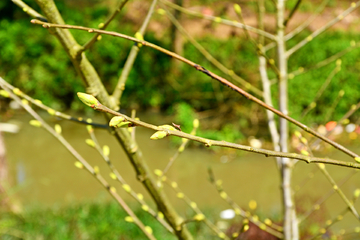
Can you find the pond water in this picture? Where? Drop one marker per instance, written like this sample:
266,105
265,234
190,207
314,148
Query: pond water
42,171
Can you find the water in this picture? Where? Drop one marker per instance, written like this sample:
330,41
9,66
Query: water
44,171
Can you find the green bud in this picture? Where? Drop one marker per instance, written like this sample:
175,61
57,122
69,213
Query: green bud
101,25
35,123
106,150
90,142
140,196
17,91
57,128
126,187
124,125
51,111
88,99
357,159
158,172
140,37
145,207
158,135
148,229
129,219
79,165
4,93
237,8
116,120
199,217
113,176
196,123
96,169
168,127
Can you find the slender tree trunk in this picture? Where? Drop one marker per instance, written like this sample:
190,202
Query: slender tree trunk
290,220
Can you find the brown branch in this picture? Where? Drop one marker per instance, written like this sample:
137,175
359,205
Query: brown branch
210,74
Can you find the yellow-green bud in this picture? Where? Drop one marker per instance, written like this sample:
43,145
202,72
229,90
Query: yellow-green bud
237,8
221,235
51,111
96,169
180,195
79,165
160,215
112,189
148,229
357,193
89,128
123,125
57,128
17,91
101,25
145,207
113,176
4,93
88,99
106,150
161,11
90,142
140,196
199,217
126,187
116,120
158,135
158,172
168,127
196,123
129,219
35,123
357,159
140,37
223,195
25,101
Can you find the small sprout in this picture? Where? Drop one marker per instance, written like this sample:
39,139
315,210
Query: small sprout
123,125
338,62
158,135
174,185
353,4
341,93
89,128
106,150
199,217
116,120
300,69
357,159
317,207
99,38
221,235
57,128
268,222
340,17
158,172
328,222
140,196
96,169
140,37
246,227
113,176
231,72
291,76
90,142
304,152
357,193
180,195
208,143
255,218
112,189
303,140
163,178
217,19
321,165
79,165
25,102
129,219
335,187
126,187
145,207
237,211
309,38
51,111
193,205
322,230
352,43
252,204
148,229
262,226
161,11
312,104
184,140
297,134
89,120
218,182
237,8
271,61
168,127
35,123
235,235
88,99
196,123
25,9
345,121
4,93
223,195
160,215
17,91
357,229
91,30
101,25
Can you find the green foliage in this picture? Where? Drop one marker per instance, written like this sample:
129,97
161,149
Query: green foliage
87,221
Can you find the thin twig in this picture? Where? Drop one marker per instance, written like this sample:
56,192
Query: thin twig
210,74
293,10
